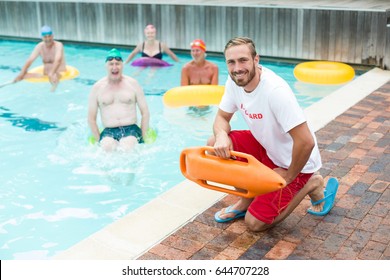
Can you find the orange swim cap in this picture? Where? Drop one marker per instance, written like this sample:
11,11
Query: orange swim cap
198,44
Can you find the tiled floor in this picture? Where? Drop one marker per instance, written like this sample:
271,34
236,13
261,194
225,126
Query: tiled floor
355,150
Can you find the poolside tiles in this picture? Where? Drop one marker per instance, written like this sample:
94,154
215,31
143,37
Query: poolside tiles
355,149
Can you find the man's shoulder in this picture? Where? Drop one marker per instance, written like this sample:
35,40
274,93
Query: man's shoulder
58,43
100,82
130,80
39,45
189,64
211,64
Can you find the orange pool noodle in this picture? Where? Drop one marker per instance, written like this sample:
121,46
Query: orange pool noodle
246,179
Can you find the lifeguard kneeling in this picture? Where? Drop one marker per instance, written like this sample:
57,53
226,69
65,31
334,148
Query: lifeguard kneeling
281,139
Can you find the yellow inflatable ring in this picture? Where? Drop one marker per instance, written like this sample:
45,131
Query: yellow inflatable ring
70,73
194,95
324,72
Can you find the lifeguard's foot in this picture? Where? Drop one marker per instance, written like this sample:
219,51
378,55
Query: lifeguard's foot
317,185
328,201
232,212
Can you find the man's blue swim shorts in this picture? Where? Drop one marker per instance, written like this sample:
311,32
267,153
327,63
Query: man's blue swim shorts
122,131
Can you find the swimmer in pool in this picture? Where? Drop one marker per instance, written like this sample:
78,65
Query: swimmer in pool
117,97
53,59
151,47
199,71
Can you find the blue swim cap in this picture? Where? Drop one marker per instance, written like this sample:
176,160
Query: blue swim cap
46,30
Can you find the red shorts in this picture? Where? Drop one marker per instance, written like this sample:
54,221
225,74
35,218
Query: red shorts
268,206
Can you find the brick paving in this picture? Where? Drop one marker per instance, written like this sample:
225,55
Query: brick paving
355,150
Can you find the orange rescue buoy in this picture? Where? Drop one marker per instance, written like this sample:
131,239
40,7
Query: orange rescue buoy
246,179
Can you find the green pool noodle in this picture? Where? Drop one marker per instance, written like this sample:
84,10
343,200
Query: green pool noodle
151,136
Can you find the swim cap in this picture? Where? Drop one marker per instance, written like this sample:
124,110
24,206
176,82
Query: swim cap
150,26
198,44
46,30
114,54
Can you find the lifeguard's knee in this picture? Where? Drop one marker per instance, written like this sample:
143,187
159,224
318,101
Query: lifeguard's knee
315,181
254,224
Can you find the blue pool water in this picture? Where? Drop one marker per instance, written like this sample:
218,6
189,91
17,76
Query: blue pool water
55,188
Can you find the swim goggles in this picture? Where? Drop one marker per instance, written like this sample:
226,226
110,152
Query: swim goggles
110,58
198,44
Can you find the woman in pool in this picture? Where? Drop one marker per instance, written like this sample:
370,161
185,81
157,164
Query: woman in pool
151,47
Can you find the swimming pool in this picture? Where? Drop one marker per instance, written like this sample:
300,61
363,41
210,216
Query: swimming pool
56,188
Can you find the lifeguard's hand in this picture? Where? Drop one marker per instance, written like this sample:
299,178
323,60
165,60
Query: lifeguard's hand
284,174
222,147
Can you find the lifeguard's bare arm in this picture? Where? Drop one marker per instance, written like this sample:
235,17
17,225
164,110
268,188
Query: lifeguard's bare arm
303,144
221,128
35,53
93,108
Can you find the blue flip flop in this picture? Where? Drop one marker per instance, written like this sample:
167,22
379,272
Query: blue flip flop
329,198
238,214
